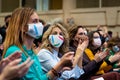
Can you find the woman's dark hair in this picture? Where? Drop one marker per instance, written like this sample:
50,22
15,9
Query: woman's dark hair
73,31
90,36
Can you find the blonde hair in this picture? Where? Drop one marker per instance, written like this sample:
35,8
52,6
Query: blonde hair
15,30
46,43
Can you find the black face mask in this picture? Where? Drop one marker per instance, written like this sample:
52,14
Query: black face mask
7,23
102,39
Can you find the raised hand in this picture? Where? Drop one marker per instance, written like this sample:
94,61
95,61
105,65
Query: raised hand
67,59
115,57
83,43
118,63
8,59
99,56
14,69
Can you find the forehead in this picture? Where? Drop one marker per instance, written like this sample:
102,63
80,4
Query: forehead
80,30
101,32
96,34
56,29
34,16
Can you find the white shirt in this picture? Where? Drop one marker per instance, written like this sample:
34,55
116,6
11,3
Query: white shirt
49,60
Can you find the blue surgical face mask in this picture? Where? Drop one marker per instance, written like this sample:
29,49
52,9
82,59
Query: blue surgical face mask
115,48
107,39
35,30
56,40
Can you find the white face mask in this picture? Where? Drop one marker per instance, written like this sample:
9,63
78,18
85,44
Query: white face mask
35,30
97,42
56,40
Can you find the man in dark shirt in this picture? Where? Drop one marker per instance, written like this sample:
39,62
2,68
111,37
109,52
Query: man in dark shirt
4,27
3,33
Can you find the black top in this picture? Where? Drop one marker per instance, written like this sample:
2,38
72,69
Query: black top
90,67
3,33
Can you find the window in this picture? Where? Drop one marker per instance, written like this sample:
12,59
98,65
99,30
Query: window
29,3
39,5
87,3
97,3
55,4
110,3
9,5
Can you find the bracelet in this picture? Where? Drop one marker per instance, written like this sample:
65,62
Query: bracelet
55,72
48,76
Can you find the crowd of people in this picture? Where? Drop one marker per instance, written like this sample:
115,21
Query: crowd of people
34,50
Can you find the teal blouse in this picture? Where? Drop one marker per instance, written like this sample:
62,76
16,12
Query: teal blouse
35,72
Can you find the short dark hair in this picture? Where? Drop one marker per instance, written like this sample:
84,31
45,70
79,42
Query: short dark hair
42,21
110,32
6,17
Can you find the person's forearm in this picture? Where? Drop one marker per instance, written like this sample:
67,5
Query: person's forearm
77,58
80,62
57,68
2,77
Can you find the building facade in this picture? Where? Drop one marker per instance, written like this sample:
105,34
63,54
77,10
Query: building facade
89,13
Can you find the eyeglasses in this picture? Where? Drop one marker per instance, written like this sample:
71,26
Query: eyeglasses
82,33
96,37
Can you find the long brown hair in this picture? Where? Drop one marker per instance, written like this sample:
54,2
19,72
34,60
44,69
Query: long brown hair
15,30
72,32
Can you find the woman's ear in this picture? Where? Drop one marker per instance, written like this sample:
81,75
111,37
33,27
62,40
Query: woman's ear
25,29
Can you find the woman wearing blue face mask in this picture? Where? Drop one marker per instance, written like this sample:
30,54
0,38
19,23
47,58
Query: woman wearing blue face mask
23,28
55,45
113,45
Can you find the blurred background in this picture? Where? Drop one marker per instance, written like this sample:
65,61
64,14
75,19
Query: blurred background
89,13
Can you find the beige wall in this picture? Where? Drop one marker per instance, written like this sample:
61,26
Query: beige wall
2,15
50,15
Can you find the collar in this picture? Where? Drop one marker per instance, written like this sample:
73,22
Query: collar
29,52
55,52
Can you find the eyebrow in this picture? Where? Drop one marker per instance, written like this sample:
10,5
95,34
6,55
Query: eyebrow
96,36
35,20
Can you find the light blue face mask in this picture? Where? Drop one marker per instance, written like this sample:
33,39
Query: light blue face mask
115,48
35,30
56,40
